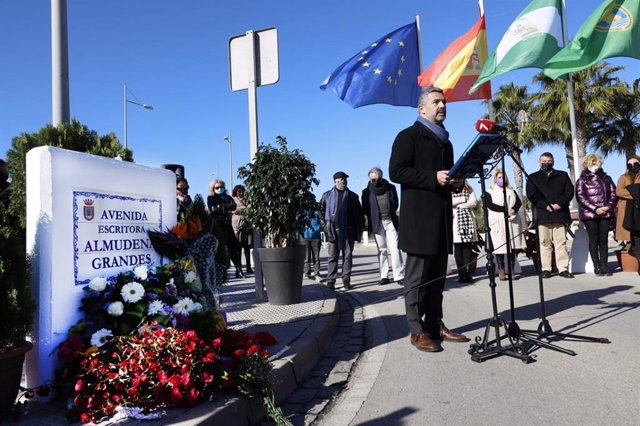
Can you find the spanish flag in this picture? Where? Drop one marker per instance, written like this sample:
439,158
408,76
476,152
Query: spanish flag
458,66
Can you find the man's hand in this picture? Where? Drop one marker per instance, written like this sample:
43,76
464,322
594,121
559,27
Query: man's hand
443,177
556,207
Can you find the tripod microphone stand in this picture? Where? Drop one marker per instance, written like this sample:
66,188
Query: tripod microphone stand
486,348
523,342
544,330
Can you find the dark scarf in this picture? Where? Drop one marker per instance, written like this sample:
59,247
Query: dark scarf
330,214
380,187
439,130
374,190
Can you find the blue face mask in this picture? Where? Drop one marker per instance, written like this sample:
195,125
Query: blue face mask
219,191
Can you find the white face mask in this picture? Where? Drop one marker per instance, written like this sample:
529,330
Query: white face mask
219,191
593,168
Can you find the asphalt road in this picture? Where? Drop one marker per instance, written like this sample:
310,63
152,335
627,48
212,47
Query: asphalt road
395,384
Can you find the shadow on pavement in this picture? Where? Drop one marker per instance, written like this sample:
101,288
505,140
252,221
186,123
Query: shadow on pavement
394,418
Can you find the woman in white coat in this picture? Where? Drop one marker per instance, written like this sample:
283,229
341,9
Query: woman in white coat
495,200
465,232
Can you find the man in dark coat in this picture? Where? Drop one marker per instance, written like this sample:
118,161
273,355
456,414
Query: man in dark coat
551,191
342,221
420,159
380,204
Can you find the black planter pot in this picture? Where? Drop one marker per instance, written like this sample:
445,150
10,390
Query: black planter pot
10,376
282,271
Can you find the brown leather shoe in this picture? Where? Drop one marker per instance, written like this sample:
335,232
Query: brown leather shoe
424,343
450,336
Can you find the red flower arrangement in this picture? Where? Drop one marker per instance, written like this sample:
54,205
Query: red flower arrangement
164,367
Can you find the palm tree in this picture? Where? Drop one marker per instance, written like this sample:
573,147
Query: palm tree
620,132
597,91
510,104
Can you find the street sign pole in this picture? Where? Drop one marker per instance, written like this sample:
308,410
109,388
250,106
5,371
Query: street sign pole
253,62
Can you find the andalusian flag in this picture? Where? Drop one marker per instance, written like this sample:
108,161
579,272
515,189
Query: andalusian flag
458,66
611,30
533,38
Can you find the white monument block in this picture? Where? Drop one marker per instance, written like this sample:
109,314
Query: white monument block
87,216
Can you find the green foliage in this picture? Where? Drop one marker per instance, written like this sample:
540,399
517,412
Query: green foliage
16,304
279,193
597,93
73,136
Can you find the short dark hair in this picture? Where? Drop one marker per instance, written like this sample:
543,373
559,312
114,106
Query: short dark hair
547,154
234,192
426,92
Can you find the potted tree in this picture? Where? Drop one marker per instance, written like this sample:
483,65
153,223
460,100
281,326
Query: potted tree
279,200
16,307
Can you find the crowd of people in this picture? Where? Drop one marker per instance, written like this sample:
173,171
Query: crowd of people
416,250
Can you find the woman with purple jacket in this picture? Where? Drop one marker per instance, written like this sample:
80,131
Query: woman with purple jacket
596,195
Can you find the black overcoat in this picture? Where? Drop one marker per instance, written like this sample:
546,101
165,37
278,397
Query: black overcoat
426,216
556,188
392,195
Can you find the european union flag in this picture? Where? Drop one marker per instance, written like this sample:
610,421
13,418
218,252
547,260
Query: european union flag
385,72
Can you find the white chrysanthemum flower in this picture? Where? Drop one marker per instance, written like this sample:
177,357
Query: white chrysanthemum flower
196,307
141,272
132,292
183,306
115,309
101,337
155,307
190,277
98,284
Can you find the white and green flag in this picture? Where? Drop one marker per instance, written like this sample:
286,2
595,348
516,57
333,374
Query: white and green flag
612,30
533,38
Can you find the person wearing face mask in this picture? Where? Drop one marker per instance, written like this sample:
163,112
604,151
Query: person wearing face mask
182,195
342,220
465,232
550,192
496,202
596,195
380,203
220,206
625,201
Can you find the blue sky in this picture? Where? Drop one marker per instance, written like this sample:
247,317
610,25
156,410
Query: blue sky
174,56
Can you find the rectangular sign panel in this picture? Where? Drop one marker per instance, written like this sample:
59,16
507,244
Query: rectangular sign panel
110,233
265,58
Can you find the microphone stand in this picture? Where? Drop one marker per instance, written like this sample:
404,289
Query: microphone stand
485,348
544,330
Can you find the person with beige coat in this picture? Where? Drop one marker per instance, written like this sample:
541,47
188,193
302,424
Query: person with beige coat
632,175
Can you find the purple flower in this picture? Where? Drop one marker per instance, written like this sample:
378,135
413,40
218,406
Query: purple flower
171,289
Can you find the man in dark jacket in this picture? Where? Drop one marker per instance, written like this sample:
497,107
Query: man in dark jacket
342,221
420,159
550,192
380,203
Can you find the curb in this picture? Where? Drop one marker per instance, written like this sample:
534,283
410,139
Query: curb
287,374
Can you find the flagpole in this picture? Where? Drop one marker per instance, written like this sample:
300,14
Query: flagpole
490,111
419,43
579,248
572,108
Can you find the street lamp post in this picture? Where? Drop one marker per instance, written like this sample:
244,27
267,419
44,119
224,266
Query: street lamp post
126,101
228,139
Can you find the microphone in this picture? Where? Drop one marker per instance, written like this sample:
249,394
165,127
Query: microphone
485,125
